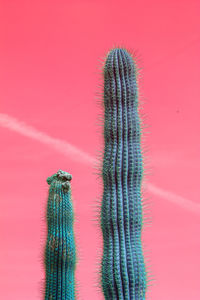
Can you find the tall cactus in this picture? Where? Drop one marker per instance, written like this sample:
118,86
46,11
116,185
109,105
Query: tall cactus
123,272
60,253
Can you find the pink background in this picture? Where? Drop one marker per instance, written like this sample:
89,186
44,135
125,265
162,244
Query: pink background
50,71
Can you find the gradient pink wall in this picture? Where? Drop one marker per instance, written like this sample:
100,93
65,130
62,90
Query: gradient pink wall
50,70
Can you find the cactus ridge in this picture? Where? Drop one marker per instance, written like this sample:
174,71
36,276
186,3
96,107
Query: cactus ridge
60,252
123,270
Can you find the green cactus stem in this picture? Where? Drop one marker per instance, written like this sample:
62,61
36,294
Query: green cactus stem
123,273
60,252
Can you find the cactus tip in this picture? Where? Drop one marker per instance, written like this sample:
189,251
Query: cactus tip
65,177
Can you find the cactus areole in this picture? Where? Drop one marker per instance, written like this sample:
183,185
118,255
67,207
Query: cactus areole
60,254
123,274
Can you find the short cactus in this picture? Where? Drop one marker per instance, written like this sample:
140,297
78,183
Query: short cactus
60,253
123,273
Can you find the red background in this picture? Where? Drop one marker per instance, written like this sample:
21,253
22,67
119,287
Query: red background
50,71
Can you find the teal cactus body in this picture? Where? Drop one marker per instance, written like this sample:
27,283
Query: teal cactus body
60,252
123,273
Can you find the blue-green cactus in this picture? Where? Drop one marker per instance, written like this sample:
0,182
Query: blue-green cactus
123,272
60,252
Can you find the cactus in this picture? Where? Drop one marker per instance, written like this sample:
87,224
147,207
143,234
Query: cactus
60,253
123,272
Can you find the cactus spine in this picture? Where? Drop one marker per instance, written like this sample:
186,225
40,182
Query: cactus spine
60,253
123,273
